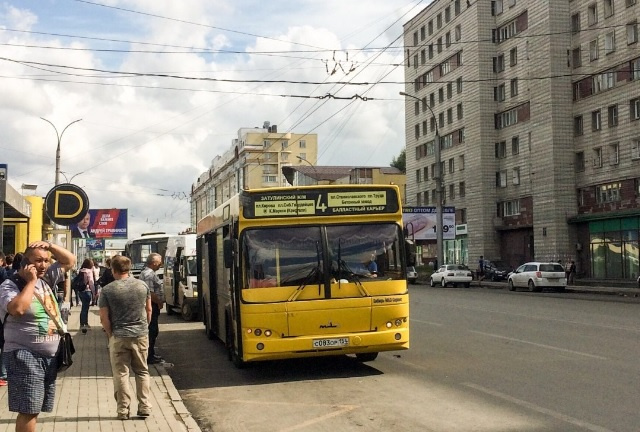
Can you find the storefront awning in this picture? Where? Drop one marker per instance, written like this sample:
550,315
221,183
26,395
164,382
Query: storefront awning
15,206
590,217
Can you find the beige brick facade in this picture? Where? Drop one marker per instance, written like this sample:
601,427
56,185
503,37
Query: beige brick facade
522,176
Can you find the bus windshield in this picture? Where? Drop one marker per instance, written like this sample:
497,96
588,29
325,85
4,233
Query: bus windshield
294,256
139,250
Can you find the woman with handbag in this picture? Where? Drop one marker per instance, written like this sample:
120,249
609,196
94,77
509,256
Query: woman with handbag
31,321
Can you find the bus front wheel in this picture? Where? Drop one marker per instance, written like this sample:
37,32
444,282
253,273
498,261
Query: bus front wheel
366,357
232,354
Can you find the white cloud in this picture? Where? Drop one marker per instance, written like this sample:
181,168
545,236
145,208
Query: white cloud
144,140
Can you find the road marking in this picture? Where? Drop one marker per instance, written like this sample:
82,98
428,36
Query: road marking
426,322
541,317
540,345
537,408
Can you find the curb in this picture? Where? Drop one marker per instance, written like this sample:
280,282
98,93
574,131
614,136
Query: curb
176,400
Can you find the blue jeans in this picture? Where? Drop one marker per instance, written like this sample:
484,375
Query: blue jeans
85,297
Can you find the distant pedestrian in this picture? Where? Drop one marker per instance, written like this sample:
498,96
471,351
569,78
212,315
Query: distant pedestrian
96,286
86,295
3,271
481,266
31,335
106,275
571,278
125,312
148,275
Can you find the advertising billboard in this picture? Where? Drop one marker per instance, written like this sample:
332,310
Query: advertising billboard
420,222
101,223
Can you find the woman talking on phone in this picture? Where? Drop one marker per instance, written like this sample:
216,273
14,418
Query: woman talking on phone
27,305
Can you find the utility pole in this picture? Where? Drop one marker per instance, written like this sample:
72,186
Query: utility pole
438,178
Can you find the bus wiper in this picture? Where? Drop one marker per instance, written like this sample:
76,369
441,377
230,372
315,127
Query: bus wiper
308,278
342,265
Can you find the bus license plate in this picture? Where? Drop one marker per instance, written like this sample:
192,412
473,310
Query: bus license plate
330,343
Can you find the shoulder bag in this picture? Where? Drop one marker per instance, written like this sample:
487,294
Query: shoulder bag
64,355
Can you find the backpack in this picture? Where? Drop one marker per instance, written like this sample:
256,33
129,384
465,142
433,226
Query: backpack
78,284
21,284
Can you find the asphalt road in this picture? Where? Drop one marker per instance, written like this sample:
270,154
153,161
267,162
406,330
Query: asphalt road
480,360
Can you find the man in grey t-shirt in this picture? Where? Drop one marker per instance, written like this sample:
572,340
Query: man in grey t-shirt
125,312
148,275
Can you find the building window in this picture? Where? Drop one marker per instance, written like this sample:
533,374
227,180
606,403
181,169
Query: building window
433,124
417,131
456,7
614,159
577,126
441,94
266,143
458,33
459,85
430,27
515,145
452,165
608,193
596,121
441,120
513,56
416,108
634,108
447,14
439,45
446,142
635,148
575,22
449,90
303,156
610,42
303,144
419,199
579,161
498,93
461,189
516,176
612,114
461,162
422,33
461,137
449,115
630,3
576,57
447,39
459,110
635,69
593,50
432,100
608,8
496,7
452,191
439,21
597,157
514,87
498,63
425,173
592,14
632,33
511,208
285,145
501,150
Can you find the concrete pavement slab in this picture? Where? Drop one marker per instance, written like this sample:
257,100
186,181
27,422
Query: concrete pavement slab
84,393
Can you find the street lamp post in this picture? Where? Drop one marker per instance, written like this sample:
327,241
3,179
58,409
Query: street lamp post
438,179
310,164
59,136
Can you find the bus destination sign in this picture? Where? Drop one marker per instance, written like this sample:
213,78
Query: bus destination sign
319,202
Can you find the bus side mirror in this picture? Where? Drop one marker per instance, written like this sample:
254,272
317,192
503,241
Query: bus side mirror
227,249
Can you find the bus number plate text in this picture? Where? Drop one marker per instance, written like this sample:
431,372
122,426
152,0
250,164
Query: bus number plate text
330,343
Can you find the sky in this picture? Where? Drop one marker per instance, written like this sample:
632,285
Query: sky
162,87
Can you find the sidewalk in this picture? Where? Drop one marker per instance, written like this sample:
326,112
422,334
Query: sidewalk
84,393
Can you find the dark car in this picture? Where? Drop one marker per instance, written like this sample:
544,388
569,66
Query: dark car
496,270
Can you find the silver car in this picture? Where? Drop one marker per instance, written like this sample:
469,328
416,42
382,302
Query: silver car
451,274
538,275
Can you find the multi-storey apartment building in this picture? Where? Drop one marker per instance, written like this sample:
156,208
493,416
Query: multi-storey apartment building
537,105
254,160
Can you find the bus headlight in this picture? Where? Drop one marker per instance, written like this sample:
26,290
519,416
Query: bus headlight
389,324
267,333
257,332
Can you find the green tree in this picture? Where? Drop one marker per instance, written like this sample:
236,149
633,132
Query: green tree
400,162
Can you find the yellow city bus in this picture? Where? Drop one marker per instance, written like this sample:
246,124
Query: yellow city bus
304,272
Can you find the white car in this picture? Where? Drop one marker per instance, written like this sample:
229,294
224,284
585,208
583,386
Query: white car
538,275
412,274
451,274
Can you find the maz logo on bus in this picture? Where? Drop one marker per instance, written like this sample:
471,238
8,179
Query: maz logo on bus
330,325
